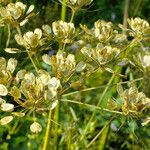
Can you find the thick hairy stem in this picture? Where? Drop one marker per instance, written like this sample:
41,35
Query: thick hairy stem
48,132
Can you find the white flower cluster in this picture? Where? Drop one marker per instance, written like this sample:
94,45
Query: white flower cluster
14,12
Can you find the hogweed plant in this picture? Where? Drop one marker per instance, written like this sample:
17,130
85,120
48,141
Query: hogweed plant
55,78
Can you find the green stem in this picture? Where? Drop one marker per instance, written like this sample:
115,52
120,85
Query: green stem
72,16
63,11
98,87
103,138
75,118
126,13
18,30
29,55
9,34
13,129
48,132
56,118
99,102
101,131
92,106
69,135
137,8
36,69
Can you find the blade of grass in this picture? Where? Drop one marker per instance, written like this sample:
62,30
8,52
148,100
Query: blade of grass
137,7
103,138
75,118
99,133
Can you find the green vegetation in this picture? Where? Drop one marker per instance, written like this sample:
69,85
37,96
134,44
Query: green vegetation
74,75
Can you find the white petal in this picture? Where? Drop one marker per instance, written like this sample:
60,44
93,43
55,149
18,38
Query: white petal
44,76
36,127
3,90
30,9
46,59
6,120
19,39
2,101
146,60
54,83
47,29
18,114
38,32
11,65
22,23
12,50
7,107
54,104
80,66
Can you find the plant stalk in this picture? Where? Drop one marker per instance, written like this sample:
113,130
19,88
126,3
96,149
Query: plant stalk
63,11
72,16
99,102
103,138
137,8
29,55
92,106
9,34
126,13
56,118
48,132
36,69
99,133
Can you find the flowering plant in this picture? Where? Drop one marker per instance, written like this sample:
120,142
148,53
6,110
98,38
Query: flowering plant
79,53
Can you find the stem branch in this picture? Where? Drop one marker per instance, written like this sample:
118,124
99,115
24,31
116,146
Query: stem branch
99,102
72,16
48,132
9,34
92,106
36,69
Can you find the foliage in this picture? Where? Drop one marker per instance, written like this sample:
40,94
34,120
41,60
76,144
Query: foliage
66,73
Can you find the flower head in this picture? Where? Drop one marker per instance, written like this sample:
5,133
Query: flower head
63,31
134,102
139,26
146,61
30,40
15,13
7,69
35,127
62,65
77,4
